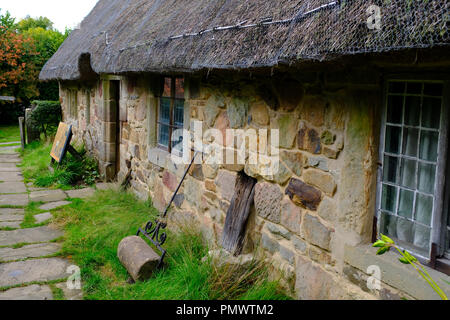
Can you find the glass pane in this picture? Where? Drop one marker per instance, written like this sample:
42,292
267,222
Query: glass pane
178,113
424,209
163,135
431,112
428,145
427,174
388,224
395,109
408,173
392,139
410,141
164,110
412,111
388,198
422,237
177,139
179,88
405,230
406,203
390,170
433,89
414,87
167,89
396,87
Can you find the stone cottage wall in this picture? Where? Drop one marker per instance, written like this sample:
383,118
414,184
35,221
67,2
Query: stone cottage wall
320,201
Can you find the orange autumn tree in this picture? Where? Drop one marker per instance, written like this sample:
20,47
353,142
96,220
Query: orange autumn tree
17,70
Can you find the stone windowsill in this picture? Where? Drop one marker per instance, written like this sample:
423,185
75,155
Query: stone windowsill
162,158
158,157
396,274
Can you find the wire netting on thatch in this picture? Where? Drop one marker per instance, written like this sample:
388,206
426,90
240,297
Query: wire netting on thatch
187,35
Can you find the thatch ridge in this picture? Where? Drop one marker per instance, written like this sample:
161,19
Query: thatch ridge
135,35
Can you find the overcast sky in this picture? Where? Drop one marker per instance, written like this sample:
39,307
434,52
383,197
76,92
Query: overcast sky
63,13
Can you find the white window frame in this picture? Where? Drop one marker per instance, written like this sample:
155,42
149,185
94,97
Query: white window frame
442,191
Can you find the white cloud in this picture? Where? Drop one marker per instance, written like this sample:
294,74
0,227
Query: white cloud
63,13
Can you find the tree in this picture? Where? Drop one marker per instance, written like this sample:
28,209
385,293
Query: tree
31,23
24,49
17,69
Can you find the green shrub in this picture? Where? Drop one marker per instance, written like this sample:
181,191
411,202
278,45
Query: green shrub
72,171
46,116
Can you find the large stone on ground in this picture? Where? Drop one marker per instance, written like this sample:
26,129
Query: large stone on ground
9,167
11,176
47,196
268,198
42,217
32,235
30,251
303,194
12,187
137,257
33,292
54,205
14,200
80,193
42,270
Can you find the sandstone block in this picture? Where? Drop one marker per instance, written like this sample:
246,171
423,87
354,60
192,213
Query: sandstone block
169,180
315,232
303,194
268,198
327,210
323,181
287,254
278,230
226,182
293,160
269,244
313,110
309,140
237,112
259,114
287,126
291,216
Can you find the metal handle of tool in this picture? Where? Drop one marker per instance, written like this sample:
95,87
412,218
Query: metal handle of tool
179,185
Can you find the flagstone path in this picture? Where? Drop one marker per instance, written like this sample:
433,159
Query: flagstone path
29,266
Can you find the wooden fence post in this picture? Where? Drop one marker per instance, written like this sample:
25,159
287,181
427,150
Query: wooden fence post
22,132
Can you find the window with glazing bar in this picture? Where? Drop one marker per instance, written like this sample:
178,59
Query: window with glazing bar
171,113
409,195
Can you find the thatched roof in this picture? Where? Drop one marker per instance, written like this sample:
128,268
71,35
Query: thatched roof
121,36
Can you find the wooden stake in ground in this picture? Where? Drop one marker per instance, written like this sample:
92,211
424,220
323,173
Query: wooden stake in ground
22,132
238,213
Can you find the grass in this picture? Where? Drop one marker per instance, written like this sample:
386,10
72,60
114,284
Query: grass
31,210
95,226
72,172
9,133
